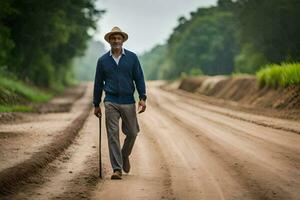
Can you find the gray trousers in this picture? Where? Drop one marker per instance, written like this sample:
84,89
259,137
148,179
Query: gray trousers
130,127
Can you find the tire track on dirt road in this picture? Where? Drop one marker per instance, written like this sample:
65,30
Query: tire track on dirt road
195,174
216,107
71,175
282,142
257,178
12,178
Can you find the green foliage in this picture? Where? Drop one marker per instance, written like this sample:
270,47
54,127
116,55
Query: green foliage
153,62
42,38
205,43
16,108
5,40
248,60
271,26
233,37
279,75
195,72
191,73
14,87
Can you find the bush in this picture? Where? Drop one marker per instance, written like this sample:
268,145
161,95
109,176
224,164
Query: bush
279,75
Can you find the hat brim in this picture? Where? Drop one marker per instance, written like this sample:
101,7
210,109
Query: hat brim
107,35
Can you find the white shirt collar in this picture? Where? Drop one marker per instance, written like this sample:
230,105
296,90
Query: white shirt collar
123,52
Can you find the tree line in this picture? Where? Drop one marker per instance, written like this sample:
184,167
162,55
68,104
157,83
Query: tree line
237,36
39,39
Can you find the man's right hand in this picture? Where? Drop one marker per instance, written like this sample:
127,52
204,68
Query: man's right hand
97,111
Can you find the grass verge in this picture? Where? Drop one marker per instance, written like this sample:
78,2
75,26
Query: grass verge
279,75
15,95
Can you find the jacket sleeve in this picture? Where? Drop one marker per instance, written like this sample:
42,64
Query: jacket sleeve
98,84
139,80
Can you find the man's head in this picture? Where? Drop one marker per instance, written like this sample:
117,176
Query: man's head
116,37
116,40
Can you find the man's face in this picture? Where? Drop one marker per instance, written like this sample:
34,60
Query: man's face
116,41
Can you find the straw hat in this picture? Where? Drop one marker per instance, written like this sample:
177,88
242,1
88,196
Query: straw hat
113,31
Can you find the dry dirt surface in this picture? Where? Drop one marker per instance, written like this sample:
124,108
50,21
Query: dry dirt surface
187,149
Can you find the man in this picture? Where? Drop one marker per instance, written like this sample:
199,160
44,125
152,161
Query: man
118,73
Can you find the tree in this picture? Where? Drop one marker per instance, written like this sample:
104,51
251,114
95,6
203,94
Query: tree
271,26
47,35
5,40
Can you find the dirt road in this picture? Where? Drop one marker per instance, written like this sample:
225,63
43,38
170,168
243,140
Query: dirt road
187,149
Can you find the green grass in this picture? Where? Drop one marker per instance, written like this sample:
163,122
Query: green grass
16,108
279,75
15,95
30,93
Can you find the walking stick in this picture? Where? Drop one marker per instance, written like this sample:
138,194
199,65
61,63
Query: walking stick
100,163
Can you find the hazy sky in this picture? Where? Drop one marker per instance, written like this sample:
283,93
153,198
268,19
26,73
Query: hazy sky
147,22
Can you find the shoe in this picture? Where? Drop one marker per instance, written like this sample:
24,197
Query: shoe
126,164
116,175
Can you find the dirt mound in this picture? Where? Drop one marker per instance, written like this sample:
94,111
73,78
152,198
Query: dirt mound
245,90
191,84
209,83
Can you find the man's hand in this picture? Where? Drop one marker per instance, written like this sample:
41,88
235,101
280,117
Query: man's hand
142,106
97,111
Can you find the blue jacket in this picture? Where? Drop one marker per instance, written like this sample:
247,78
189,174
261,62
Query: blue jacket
119,81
